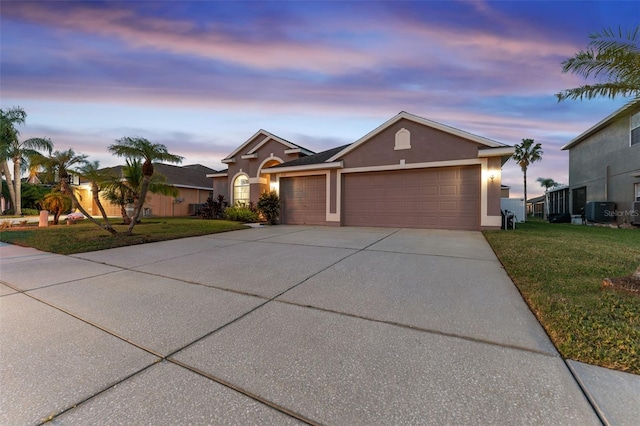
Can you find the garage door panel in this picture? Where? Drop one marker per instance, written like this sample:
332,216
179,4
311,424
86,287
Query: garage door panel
448,190
446,198
303,200
469,189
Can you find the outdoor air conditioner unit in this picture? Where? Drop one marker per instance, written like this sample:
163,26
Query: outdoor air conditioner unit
635,214
601,211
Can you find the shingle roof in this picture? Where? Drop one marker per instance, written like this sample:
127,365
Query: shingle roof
539,199
318,158
192,176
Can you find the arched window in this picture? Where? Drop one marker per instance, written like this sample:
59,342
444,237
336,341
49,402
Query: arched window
241,190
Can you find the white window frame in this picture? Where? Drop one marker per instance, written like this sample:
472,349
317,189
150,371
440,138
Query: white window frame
241,190
637,188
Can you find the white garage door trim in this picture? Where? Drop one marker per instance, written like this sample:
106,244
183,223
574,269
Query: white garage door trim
485,220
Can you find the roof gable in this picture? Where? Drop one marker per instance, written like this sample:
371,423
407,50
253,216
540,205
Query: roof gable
630,108
263,136
414,118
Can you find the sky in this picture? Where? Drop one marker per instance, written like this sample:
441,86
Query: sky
201,77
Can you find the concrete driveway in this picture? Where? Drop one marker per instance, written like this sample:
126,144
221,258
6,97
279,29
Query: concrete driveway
281,325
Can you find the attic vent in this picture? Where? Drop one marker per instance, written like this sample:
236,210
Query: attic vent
403,139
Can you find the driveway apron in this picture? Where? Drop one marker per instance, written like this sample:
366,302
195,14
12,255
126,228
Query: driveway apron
278,325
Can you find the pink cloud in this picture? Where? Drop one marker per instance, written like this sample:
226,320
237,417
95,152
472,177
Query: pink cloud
181,37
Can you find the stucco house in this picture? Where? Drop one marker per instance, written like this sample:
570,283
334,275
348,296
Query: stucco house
191,181
604,164
408,172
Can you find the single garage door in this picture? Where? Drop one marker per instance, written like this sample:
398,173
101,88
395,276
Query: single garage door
442,198
304,200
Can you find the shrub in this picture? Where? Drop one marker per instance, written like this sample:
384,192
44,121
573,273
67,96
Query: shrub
269,206
240,214
213,209
30,212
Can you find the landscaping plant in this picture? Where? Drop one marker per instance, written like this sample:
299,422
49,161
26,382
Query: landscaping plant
269,206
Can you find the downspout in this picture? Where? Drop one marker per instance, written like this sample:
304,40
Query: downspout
606,182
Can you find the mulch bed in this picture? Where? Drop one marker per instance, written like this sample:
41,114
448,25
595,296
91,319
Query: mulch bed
630,284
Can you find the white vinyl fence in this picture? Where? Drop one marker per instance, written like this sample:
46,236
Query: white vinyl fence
516,205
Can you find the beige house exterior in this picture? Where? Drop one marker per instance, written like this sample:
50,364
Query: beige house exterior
191,181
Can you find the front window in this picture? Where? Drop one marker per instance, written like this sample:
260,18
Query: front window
241,190
637,191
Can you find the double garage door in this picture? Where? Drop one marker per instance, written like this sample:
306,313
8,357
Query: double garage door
440,198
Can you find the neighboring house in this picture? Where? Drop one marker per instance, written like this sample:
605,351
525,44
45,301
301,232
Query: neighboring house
193,185
409,172
559,200
535,206
604,164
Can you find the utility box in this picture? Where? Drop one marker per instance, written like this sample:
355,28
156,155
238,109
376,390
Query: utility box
44,218
601,211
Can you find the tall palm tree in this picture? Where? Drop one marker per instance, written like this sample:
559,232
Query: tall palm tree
124,191
63,163
98,178
612,57
142,149
20,153
525,154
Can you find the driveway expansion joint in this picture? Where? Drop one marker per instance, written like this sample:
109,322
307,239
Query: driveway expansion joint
425,330
245,392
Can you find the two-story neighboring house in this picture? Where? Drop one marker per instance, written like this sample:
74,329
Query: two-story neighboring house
604,164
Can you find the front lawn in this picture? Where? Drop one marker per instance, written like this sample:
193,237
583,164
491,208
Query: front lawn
85,236
559,270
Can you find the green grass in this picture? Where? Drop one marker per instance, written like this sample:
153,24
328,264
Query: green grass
86,236
559,270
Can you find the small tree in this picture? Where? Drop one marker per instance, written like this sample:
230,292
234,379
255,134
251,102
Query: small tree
527,153
98,178
57,203
546,183
269,206
63,164
142,149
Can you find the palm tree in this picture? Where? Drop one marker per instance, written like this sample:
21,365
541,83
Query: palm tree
125,191
57,203
613,57
525,154
63,163
142,149
19,152
546,183
98,178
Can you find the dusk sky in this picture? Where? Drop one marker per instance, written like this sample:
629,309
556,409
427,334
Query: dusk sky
202,77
